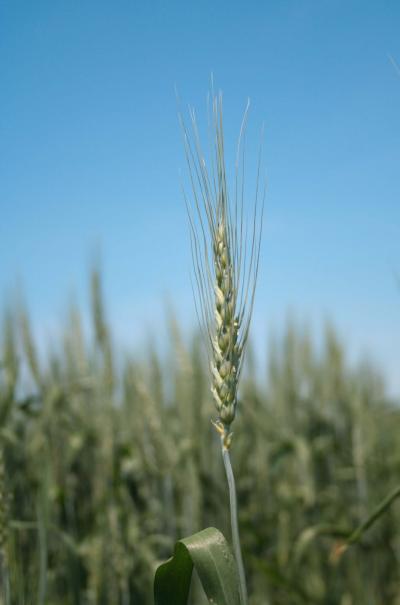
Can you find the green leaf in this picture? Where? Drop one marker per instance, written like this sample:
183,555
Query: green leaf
209,553
374,516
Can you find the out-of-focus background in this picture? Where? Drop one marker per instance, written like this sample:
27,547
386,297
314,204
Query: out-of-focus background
107,453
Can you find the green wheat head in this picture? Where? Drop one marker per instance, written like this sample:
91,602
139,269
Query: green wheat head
225,249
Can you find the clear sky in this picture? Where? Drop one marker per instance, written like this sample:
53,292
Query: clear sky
91,154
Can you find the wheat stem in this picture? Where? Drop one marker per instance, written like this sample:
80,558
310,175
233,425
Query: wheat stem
234,520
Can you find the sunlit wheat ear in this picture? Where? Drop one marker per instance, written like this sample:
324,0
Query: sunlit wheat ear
225,241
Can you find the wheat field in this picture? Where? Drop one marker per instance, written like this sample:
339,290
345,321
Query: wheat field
108,458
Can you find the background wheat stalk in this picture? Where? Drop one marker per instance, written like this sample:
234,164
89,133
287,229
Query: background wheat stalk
4,506
225,245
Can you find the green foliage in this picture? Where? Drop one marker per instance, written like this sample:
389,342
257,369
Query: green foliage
211,556
109,460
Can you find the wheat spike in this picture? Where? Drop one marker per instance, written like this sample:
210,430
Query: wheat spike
225,249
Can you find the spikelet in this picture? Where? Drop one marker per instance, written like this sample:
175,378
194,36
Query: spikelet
225,259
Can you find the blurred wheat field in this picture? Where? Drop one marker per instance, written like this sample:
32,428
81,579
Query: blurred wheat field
106,461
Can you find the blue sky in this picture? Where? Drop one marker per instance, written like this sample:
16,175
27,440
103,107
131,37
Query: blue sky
91,156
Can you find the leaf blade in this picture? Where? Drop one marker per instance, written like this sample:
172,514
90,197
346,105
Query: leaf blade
208,552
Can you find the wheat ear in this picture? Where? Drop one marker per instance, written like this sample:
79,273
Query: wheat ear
225,250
